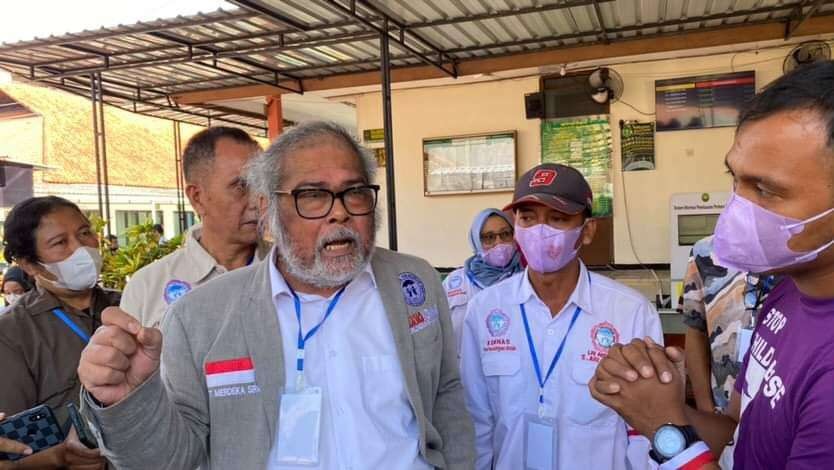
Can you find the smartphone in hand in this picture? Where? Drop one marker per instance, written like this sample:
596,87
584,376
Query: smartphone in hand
80,424
35,427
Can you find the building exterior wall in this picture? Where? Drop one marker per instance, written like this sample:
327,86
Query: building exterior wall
687,161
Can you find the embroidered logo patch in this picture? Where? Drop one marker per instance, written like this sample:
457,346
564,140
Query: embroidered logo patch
497,322
414,291
543,178
176,289
604,335
455,282
418,321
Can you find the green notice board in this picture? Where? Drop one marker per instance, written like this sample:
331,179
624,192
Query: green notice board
585,144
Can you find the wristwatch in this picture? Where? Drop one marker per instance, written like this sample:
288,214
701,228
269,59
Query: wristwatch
670,440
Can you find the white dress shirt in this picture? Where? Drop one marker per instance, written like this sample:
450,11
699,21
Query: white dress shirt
366,421
459,291
501,385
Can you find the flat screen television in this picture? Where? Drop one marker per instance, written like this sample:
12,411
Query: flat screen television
703,101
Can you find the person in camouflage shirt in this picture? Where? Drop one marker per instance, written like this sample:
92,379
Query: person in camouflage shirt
717,303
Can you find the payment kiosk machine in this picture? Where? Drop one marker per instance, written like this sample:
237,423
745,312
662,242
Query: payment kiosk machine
694,216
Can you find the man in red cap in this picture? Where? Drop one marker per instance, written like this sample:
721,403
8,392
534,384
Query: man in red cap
532,342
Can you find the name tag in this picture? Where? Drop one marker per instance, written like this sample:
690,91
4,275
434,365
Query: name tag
299,428
539,438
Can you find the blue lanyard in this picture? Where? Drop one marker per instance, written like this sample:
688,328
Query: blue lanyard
302,338
71,324
556,357
473,280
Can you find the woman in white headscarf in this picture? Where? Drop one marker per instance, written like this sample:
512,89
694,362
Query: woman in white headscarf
495,258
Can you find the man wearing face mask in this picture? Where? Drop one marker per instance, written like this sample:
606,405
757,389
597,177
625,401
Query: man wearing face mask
227,237
532,342
495,259
44,332
779,220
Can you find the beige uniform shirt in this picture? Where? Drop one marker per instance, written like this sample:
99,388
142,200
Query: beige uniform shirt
153,288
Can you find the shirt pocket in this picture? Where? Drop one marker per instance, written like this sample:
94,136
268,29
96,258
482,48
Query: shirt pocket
582,408
505,382
383,393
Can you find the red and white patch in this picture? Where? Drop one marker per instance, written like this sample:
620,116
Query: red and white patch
543,178
230,372
418,321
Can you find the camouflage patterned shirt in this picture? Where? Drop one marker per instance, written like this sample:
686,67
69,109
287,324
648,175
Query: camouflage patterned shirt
718,301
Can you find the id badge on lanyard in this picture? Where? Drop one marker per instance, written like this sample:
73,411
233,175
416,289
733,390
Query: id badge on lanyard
299,417
299,428
539,430
539,442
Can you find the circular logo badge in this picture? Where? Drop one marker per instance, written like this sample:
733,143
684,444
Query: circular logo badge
455,282
604,336
497,322
414,291
176,289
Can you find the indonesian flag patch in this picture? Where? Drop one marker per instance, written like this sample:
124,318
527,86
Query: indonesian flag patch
230,372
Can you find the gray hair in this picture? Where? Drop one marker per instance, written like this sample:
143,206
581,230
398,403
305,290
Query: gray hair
265,173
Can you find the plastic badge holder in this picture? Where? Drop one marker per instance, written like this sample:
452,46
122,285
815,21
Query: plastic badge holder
299,428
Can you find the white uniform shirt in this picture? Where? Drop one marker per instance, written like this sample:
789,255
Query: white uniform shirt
367,422
153,288
501,385
459,291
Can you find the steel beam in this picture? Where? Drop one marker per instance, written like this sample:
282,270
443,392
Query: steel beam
399,41
388,131
792,26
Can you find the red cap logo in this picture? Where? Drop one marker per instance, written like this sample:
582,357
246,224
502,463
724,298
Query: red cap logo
543,178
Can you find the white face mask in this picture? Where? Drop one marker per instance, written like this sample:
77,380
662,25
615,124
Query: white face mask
78,272
12,298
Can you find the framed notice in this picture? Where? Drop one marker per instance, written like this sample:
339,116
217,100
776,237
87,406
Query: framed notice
585,144
469,164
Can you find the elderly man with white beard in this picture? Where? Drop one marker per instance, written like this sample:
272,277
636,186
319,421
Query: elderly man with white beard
334,355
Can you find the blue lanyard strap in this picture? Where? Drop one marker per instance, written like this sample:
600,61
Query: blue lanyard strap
302,339
473,280
556,357
71,324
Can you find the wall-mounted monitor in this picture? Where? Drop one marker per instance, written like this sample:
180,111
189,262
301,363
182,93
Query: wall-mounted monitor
703,101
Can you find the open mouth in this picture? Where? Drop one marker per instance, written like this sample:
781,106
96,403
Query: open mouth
338,246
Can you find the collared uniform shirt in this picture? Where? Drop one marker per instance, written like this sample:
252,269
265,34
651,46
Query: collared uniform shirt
153,288
501,385
367,422
459,291
39,353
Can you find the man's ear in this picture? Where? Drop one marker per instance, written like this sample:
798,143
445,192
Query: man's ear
589,232
196,196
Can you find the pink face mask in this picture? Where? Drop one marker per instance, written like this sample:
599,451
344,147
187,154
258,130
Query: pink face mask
548,249
499,255
749,238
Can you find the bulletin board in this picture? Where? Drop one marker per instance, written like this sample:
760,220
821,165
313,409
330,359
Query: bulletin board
585,144
469,164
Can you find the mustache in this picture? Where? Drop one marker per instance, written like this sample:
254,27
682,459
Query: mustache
341,233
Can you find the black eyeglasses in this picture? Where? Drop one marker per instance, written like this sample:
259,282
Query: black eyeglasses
492,237
316,203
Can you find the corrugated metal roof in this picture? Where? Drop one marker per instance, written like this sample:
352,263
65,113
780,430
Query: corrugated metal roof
281,42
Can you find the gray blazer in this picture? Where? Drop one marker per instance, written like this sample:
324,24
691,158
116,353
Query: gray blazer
172,421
